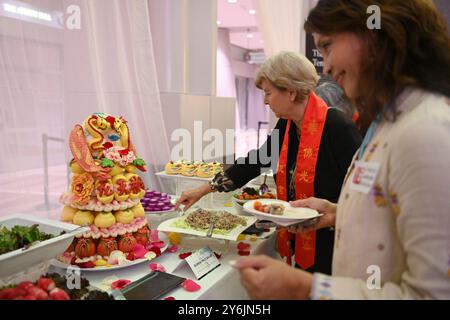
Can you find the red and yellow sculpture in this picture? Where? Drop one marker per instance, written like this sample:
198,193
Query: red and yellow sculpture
105,189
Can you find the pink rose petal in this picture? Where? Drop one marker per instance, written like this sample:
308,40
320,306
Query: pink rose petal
243,246
157,267
172,249
156,250
159,244
120,284
190,286
139,251
184,255
154,236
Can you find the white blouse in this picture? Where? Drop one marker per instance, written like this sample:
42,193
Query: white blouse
394,242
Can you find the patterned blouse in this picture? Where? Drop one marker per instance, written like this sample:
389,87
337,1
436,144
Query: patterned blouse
394,242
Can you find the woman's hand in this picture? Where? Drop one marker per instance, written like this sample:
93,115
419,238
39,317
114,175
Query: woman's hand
324,207
188,198
265,278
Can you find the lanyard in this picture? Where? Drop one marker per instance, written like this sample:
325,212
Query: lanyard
369,136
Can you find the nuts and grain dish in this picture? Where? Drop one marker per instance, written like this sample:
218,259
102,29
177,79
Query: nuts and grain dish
201,219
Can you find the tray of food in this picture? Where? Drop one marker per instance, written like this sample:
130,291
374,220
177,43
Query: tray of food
218,224
53,286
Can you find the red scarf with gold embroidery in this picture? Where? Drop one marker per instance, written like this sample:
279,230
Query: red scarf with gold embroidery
308,150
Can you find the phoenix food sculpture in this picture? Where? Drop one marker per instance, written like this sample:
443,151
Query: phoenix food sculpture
105,194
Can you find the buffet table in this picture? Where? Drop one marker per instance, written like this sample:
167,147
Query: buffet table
221,283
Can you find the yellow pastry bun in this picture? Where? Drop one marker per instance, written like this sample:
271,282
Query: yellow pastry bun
116,170
135,185
189,169
104,220
83,218
217,167
130,168
138,211
68,214
173,167
125,216
205,171
75,167
104,191
121,188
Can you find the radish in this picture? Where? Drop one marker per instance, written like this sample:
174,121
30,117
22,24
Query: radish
59,294
46,284
38,293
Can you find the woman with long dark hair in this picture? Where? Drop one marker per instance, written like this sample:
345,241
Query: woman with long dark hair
392,219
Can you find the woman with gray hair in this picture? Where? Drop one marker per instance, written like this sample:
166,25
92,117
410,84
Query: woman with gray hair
315,146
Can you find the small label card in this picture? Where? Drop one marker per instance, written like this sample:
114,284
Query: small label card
364,176
202,262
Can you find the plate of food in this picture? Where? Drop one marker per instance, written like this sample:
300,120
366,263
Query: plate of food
248,194
117,259
279,211
218,224
157,202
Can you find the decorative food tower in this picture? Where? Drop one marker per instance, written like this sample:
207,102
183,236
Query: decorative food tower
105,195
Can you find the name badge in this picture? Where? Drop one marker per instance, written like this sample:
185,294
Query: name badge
202,262
364,176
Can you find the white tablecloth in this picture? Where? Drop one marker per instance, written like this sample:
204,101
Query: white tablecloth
222,283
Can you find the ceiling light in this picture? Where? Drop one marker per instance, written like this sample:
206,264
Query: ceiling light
27,12
252,11
232,1
219,22
250,36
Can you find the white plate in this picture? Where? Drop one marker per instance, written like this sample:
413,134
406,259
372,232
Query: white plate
291,215
180,176
14,261
159,212
233,234
63,265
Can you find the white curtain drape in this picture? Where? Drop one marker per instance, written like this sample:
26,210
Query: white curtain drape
281,25
52,77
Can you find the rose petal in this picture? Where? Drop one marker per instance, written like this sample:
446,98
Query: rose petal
139,251
156,250
172,249
243,246
169,298
120,284
190,286
159,244
87,265
157,267
154,236
243,253
184,255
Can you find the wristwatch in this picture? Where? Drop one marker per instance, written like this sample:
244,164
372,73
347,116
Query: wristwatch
212,186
